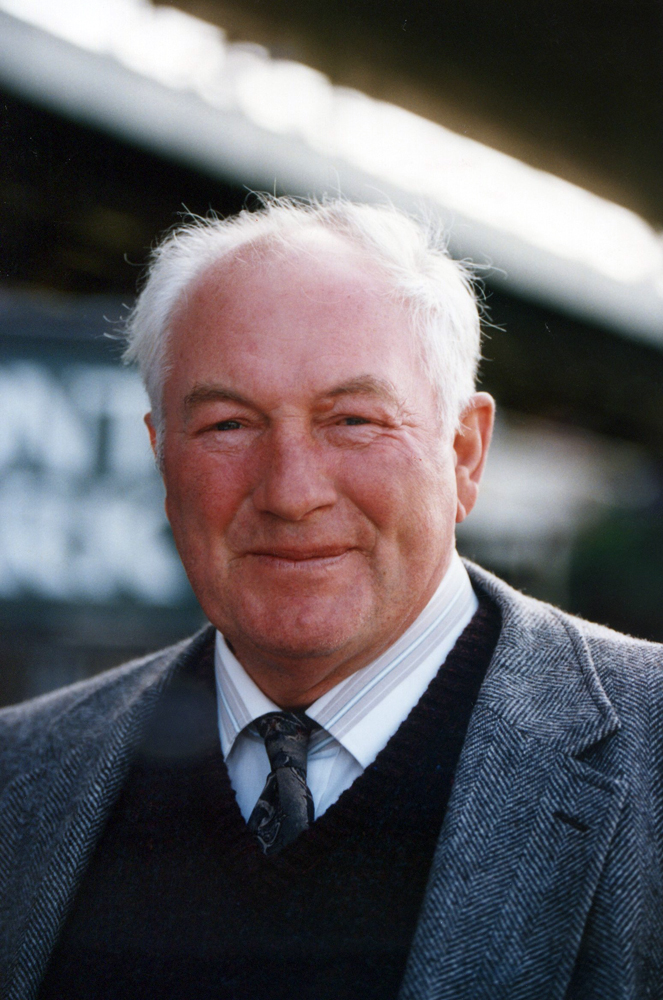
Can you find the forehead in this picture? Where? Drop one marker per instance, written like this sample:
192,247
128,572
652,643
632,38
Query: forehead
318,302
313,271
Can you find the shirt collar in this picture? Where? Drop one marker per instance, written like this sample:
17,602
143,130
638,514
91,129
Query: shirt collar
362,711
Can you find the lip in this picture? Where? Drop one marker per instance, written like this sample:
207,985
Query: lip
320,556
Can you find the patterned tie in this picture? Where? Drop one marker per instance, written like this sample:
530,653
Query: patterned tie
285,806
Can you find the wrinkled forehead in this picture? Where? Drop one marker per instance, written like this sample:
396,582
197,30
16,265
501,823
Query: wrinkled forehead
313,278
308,315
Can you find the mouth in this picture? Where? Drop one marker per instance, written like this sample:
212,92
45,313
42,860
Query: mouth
300,558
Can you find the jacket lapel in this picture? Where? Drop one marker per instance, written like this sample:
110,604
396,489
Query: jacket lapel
51,817
529,824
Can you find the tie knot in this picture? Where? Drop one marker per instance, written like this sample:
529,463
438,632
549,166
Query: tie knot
286,736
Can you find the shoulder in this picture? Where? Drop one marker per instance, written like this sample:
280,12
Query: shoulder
610,648
36,730
629,669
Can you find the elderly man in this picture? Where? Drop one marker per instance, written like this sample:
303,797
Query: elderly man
379,772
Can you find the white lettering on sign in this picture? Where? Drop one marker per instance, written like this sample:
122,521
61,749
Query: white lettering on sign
81,504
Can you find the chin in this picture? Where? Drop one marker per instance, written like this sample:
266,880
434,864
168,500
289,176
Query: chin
318,629
298,647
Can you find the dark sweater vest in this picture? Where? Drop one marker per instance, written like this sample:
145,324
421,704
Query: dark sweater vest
178,902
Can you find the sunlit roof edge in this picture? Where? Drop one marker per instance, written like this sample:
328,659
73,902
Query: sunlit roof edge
227,142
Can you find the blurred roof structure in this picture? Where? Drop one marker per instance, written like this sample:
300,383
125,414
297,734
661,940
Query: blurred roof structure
572,88
175,85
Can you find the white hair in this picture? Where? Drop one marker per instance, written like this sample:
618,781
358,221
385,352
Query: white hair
438,292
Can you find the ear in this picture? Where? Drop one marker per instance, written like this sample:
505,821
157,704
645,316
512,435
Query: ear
471,448
152,432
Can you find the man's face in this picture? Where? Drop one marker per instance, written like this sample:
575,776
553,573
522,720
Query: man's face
311,494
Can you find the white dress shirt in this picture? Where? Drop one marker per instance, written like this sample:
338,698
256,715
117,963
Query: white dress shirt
358,715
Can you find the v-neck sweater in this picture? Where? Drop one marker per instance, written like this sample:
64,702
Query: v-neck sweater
179,902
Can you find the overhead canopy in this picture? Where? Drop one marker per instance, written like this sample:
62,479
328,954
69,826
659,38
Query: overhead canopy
171,83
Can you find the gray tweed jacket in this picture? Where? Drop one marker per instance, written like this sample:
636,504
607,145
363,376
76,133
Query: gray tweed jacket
547,880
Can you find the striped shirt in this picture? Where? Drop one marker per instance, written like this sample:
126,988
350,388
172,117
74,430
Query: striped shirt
358,715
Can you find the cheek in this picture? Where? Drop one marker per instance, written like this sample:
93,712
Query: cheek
202,497
404,495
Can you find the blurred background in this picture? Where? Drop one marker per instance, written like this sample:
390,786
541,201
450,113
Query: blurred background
534,128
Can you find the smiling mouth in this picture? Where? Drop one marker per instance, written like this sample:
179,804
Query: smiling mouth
301,558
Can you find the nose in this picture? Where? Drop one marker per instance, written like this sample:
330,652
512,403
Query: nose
294,478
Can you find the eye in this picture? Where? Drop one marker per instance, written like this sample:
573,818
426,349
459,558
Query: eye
354,421
227,425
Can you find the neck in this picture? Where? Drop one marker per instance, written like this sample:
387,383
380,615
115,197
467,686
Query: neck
298,681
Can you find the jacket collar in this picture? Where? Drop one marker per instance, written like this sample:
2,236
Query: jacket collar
542,679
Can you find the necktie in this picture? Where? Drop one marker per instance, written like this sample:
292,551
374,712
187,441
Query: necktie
285,805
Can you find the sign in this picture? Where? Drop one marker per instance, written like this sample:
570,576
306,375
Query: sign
81,502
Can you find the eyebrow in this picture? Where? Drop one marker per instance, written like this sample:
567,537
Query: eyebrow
212,394
364,385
